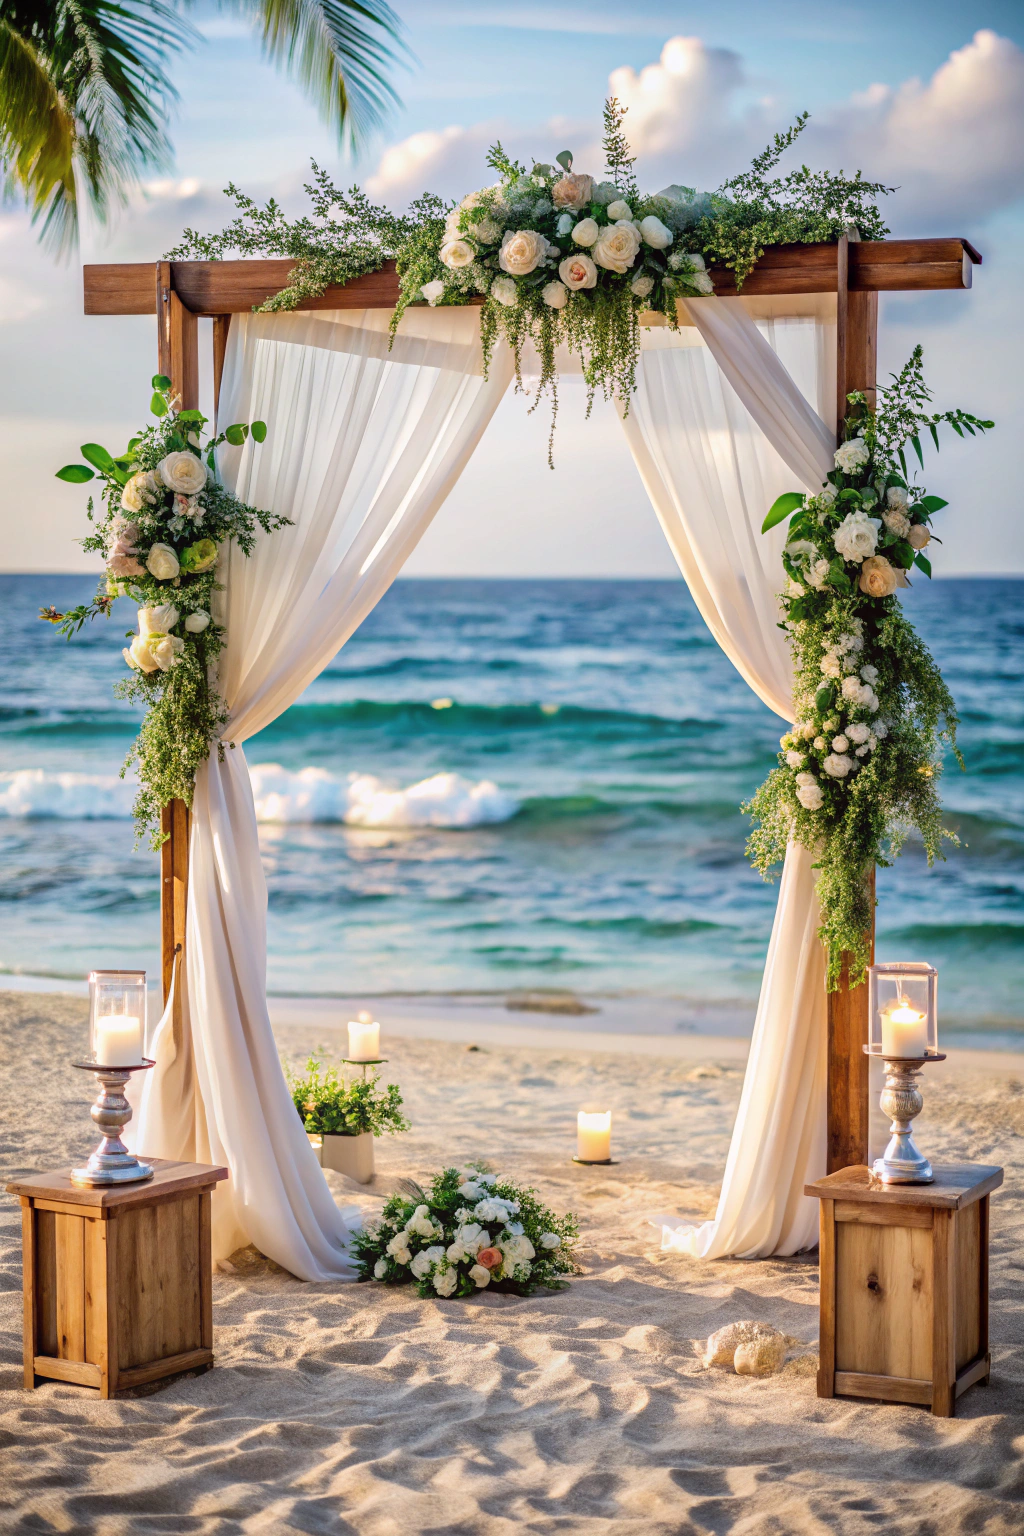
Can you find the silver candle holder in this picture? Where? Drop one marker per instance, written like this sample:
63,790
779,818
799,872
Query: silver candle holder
902,1162
112,1163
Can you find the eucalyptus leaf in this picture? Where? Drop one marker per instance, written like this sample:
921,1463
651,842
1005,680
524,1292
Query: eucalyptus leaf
783,506
75,474
933,503
98,457
924,563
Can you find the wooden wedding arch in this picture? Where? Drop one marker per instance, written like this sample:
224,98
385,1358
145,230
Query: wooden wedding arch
181,292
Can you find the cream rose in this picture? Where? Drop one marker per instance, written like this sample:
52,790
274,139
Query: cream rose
196,622
810,796
918,537
154,652
617,247
480,1276
619,209
897,496
555,295
432,292
643,285
572,191
656,234
457,253
522,250
586,232
161,561
445,1281
182,472
578,272
142,490
897,522
857,536
877,577
852,455
504,290
701,282
160,619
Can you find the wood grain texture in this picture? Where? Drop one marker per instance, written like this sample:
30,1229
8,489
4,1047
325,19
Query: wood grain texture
955,1185
28,1286
221,330
176,826
233,287
158,1310
79,1373
861,1212
69,1233
158,1370
967,1267
827,1303
205,1239
885,1389
45,1274
943,1319
169,1178
884,1303
978,1370
848,1067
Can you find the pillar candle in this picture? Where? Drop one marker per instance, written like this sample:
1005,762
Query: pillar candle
363,1040
594,1135
118,1041
904,1030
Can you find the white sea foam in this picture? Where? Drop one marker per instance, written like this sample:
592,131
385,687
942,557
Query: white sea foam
281,795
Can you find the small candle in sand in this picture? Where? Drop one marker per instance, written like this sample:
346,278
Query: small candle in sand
904,1030
594,1135
364,1038
118,1040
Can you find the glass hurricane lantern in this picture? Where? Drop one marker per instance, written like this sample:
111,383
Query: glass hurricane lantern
117,1048
903,1022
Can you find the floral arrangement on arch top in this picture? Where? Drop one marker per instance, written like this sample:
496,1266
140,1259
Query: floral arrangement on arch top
860,766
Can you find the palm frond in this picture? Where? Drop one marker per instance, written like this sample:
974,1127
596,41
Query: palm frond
337,51
37,134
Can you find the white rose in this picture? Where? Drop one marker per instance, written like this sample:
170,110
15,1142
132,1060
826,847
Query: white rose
857,536
696,260
896,496
457,253
573,190
550,1240
158,620
566,222
521,251
795,759
142,490
432,292
151,653
862,751
620,209
182,472
837,766
586,231
830,666
857,732
492,1210
380,1269
196,622
455,1253
655,233
817,574
819,743
852,455
555,295
701,282
578,272
470,1190
919,536
469,1235
794,588
162,562
643,285
445,1281
617,247
810,796
504,290
806,778
840,744
480,1276
423,1261
869,674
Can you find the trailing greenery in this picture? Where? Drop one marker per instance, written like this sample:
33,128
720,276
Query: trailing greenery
554,256
329,1106
861,764
162,523
468,1232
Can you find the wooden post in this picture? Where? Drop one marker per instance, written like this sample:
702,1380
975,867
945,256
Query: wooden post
178,359
221,326
847,1092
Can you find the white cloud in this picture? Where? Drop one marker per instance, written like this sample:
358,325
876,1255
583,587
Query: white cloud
951,144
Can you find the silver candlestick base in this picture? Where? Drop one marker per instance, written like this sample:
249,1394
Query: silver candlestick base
902,1162
111,1163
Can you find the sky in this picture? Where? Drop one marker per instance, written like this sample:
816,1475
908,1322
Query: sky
927,95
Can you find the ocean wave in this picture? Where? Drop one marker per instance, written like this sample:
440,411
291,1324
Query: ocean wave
448,715
281,795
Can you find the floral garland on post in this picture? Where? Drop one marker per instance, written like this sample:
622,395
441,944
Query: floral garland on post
164,521
860,766
555,256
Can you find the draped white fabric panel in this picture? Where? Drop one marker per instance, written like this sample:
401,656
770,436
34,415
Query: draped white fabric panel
363,446
719,427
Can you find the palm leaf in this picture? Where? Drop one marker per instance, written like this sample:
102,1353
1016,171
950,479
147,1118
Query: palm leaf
37,132
337,51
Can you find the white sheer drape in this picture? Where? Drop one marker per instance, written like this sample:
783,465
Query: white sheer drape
718,427
363,446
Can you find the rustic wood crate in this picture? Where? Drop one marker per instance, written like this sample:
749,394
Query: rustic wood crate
117,1280
904,1285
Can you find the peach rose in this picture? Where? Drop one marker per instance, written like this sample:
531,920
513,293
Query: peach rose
490,1258
578,272
919,536
880,579
572,191
521,251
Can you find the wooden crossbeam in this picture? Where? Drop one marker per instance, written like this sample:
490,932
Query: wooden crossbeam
233,287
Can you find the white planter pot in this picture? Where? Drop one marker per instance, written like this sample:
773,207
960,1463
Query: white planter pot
350,1155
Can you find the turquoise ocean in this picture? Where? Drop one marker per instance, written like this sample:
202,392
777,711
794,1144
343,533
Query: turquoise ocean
500,786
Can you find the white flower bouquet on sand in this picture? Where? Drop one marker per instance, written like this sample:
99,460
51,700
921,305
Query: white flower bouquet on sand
471,1231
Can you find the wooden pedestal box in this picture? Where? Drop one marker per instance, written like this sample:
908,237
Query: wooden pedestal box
117,1280
904,1285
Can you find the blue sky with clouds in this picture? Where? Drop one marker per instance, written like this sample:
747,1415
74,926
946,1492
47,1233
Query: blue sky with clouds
928,94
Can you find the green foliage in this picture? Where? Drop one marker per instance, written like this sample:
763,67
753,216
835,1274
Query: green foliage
329,1106
172,678
436,1238
860,767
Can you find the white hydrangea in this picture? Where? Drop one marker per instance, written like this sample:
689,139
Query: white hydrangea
810,796
837,765
504,290
795,759
856,692
840,744
857,536
433,292
872,742
857,732
642,285
471,1190
897,522
852,455
862,751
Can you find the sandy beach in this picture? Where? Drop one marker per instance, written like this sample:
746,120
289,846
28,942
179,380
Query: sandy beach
362,1409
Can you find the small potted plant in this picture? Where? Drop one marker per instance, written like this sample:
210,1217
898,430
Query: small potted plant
341,1119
